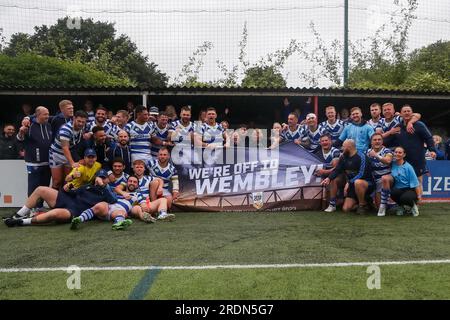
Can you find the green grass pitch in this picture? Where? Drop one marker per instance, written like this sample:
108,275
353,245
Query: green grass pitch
205,239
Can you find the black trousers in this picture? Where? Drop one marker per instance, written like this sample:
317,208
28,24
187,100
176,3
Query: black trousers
37,177
405,196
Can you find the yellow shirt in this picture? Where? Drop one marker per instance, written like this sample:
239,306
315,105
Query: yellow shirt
87,175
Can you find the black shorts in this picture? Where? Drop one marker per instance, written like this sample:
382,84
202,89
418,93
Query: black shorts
351,193
66,201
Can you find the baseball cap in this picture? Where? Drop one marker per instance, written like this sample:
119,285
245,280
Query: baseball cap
90,152
102,173
154,111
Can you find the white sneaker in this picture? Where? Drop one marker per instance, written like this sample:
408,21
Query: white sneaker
415,210
330,208
166,217
382,211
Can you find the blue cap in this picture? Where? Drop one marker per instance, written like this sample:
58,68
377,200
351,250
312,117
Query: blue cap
102,173
90,152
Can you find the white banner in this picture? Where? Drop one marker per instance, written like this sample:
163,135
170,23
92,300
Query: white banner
13,183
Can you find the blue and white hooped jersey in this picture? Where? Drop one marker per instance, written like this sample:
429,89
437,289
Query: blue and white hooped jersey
379,169
212,134
144,185
121,180
66,133
328,157
140,136
386,126
313,137
183,137
334,130
164,174
289,135
90,125
91,117
162,134
136,199
375,125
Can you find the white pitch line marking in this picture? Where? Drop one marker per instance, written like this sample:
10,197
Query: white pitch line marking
232,266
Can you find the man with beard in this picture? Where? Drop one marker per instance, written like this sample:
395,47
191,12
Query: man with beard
357,130
358,171
101,121
63,156
121,149
100,143
160,136
162,168
375,114
293,131
140,132
380,159
130,204
116,175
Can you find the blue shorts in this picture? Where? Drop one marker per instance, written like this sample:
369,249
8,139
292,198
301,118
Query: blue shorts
66,201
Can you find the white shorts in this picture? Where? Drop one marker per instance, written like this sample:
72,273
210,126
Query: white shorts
113,208
57,160
140,156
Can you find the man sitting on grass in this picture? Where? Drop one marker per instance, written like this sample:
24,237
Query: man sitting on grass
65,205
134,205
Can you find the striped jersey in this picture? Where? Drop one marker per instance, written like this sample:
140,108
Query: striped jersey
164,174
136,199
66,133
334,130
328,157
289,135
140,135
183,137
379,169
91,117
162,134
212,134
375,125
121,180
313,137
90,125
386,126
144,185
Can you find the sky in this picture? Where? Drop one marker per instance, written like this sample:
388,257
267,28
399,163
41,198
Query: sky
170,31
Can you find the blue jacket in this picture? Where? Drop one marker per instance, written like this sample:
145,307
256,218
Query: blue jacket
37,142
360,133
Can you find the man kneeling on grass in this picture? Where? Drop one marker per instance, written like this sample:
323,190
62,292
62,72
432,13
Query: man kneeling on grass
131,204
65,205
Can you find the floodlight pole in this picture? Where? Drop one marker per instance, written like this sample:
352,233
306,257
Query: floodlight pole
345,43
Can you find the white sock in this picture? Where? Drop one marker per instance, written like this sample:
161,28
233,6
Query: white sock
26,222
382,206
23,211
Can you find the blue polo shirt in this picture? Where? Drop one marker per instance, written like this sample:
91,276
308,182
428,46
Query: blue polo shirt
404,176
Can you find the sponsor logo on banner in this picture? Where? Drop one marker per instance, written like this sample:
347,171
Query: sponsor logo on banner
258,200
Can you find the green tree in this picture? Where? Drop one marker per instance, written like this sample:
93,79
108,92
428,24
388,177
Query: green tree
95,44
29,69
263,77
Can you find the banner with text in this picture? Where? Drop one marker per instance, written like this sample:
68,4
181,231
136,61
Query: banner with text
255,179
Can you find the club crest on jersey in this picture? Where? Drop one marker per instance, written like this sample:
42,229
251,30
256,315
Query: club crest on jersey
258,200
